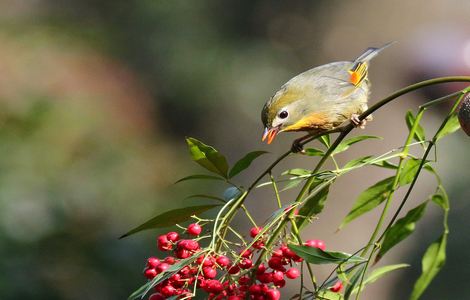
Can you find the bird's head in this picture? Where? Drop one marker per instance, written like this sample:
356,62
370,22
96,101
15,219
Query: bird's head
279,113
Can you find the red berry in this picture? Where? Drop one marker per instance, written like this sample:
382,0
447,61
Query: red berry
213,286
278,275
190,245
182,253
173,236
246,253
255,289
162,267
280,283
273,294
286,252
168,290
163,243
316,244
223,261
234,270
150,273
194,229
244,280
337,287
245,263
261,269
235,297
156,296
275,263
169,260
258,244
292,273
265,277
255,231
209,272
277,253
152,262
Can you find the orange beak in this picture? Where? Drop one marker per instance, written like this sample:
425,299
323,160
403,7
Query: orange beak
270,134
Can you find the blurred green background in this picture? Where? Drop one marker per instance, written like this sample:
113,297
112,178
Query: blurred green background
97,96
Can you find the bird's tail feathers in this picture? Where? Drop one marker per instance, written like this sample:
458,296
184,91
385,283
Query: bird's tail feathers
371,53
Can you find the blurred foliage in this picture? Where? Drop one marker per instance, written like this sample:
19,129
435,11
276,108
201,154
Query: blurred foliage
92,93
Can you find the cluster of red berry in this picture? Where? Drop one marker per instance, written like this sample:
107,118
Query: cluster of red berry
236,279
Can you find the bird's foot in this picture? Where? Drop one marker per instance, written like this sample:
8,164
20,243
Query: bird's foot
297,147
359,123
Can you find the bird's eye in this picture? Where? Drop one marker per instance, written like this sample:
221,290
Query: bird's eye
283,114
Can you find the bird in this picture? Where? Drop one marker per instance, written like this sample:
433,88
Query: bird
320,99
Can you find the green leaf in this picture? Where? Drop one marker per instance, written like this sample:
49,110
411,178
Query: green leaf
419,132
369,199
245,162
199,176
441,199
433,260
313,152
328,295
319,257
353,283
325,140
203,196
144,289
292,184
385,164
314,204
207,157
378,273
297,172
170,218
451,126
409,170
401,229
357,161
344,145
231,193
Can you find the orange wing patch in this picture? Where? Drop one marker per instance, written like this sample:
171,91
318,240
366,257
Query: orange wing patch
312,121
358,73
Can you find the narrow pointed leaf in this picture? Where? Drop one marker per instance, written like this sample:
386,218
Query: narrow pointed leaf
245,162
378,273
231,193
451,126
401,229
344,145
357,161
208,157
318,257
313,205
297,172
328,295
386,164
433,260
313,152
203,196
441,199
170,218
199,176
325,140
353,283
410,168
419,132
144,289
292,184
369,199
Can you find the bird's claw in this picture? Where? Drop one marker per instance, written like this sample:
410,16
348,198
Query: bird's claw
357,122
297,147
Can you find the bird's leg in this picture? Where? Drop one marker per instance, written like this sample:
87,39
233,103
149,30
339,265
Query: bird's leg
297,146
358,123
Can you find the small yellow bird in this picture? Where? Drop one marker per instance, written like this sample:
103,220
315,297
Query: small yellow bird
320,99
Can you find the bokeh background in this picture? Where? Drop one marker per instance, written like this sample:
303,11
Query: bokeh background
96,98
